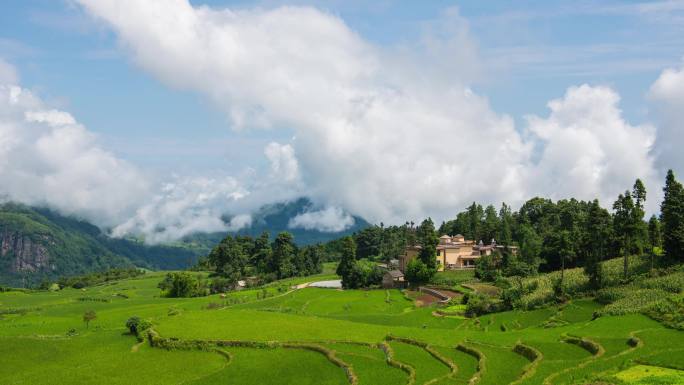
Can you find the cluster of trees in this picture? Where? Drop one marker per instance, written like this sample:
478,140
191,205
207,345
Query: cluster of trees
355,272
183,285
242,256
359,252
571,233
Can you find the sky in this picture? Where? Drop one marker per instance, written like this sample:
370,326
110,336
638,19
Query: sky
160,118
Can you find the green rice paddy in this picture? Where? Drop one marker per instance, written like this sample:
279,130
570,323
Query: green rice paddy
43,340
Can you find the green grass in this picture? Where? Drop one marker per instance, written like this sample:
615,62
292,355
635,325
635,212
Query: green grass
275,366
426,366
35,328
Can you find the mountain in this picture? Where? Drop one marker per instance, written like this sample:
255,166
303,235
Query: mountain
39,243
274,218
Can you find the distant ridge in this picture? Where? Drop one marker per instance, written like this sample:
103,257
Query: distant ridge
39,243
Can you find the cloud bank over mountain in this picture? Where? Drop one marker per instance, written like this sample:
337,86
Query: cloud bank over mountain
48,158
387,134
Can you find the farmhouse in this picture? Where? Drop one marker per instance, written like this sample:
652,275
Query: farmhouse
393,279
455,252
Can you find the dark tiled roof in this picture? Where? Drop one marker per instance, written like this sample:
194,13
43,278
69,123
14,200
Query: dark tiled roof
395,273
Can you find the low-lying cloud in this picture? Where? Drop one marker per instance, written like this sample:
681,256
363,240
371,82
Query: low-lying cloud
330,219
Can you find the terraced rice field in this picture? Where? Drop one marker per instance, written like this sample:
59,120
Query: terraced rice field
318,336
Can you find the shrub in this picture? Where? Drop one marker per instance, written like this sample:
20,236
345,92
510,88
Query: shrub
222,285
478,304
137,326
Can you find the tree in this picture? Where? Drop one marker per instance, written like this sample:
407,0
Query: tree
475,221
505,231
418,273
654,237
491,224
672,218
362,274
229,257
368,242
640,227
261,252
595,242
348,257
486,268
283,255
428,241
88,316
624,227
180,285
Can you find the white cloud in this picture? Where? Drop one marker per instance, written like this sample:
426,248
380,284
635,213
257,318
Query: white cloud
186,206
284,164
668,94
47,158
330,219
588,150
385,134
8,74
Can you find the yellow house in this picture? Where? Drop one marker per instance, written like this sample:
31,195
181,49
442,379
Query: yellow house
454,252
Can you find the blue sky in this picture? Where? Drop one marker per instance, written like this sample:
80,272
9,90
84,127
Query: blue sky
252,102
536,49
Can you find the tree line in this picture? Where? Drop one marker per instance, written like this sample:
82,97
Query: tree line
548,235
237,257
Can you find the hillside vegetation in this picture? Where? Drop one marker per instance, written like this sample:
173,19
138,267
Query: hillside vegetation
40,244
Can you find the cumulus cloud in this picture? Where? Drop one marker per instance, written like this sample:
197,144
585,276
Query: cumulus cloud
330,219
588,150
384,134
375,134
48,158
668,94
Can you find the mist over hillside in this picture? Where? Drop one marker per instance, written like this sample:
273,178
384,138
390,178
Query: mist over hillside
39,243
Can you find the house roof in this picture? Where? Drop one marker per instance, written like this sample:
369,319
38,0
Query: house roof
395,273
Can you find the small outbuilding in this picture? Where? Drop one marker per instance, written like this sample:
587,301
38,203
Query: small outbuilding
393,279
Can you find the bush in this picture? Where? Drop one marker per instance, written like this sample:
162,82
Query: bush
222,285
478,304
487,269
137,326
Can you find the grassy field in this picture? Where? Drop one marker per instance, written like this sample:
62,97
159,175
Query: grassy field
43,339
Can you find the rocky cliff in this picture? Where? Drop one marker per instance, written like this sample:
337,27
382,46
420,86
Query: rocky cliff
23,253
